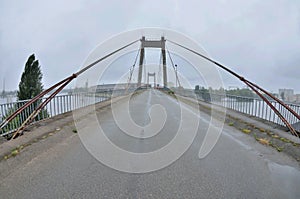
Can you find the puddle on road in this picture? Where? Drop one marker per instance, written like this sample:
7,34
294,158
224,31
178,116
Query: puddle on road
286,179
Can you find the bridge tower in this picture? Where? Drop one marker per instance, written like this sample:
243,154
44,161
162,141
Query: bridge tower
153,44
151,75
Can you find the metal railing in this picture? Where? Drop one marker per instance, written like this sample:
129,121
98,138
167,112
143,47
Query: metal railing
58,105
258,108
253,106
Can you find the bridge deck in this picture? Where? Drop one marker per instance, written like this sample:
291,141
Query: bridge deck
237,166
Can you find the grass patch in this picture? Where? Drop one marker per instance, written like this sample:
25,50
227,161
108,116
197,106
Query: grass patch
295,144
230,123
279,149
285,140
247,131
262,130
264,141
15,152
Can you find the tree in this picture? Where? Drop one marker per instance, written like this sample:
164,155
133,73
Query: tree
31,80
30,86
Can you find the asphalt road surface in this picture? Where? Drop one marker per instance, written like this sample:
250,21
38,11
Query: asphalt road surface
237,167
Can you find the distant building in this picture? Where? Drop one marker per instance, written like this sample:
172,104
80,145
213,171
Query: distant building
286,94
297,98
110,87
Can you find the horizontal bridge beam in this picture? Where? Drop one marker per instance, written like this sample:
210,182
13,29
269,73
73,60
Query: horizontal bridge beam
153,43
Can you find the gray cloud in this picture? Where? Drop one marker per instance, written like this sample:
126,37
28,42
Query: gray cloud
258,39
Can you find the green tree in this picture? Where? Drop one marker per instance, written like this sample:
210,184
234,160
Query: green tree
31,80
30,86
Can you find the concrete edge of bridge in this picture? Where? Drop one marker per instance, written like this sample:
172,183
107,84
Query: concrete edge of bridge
41,129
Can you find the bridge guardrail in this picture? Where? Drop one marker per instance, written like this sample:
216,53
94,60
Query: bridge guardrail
58,105
248,105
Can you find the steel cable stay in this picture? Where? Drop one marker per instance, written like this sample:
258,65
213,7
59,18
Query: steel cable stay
131,70
159,69
106,56
172,63
38,110
274,98
144,67
253,87
293,131
27,104
62,84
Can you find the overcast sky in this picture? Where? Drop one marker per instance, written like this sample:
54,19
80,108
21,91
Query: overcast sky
258,39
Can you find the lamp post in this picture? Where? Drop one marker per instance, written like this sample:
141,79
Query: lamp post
176,74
